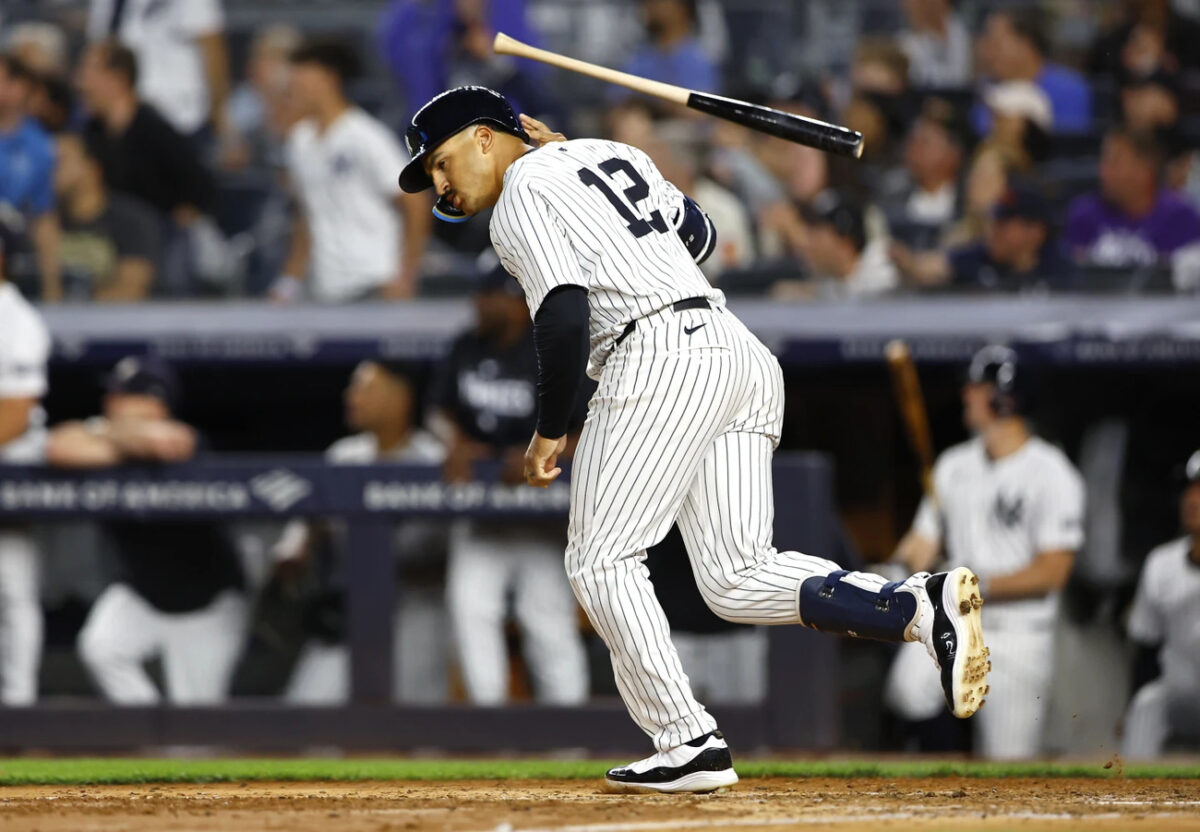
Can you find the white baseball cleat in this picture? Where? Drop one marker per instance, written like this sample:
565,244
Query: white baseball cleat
952,632
699,766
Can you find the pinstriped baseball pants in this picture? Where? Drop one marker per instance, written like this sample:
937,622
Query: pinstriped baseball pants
681,429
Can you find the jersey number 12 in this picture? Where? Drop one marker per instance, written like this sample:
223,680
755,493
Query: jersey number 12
639,226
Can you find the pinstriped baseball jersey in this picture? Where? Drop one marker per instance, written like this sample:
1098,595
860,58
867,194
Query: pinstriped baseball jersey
550,228
998,515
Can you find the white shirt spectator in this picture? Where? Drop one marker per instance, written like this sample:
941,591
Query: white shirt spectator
163,35
24,349
939,61
346,181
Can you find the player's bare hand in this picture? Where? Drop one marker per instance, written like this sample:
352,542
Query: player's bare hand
539,133
541,460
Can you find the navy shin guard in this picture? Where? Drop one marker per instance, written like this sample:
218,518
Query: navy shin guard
833,605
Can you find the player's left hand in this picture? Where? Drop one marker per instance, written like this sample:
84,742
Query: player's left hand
541,460
539,133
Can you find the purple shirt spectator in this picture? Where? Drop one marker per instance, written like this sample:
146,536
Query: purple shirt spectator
1098,234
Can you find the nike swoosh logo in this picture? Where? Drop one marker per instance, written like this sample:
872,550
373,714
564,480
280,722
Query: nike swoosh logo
687,331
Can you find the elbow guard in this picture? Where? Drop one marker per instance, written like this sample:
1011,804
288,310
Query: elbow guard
696,230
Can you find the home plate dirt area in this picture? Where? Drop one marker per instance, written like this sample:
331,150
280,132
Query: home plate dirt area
833,804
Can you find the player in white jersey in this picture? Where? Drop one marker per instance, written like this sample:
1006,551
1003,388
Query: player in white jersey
1166,620
1009,506
24,348
681,428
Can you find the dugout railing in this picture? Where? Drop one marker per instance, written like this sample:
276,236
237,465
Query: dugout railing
799,711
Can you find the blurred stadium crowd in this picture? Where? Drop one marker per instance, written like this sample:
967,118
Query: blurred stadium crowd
201,149
1009,146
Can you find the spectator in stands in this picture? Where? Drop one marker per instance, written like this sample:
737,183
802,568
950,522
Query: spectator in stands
260,109
433,46
52,103
1014,47
1164,624
27,171
1017,252
142,155
845,263
180,47
178,596
1133,221
111,242
40,45
380,405
140,152
992,169
485,405
1021,119
671,51
24,350
1153,36
928,196
937,44
678,156
361,236
1152,104
880,107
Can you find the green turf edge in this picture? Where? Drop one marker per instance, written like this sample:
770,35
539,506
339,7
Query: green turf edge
26,771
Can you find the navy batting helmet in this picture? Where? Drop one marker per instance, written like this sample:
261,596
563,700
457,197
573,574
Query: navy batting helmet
996,364
442,117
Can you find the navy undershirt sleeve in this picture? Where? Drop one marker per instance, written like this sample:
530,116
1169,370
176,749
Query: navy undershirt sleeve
560,332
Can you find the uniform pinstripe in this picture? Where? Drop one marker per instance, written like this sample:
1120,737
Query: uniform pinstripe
681,428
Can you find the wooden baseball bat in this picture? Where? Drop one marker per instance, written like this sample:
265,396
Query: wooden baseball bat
831,138
911,402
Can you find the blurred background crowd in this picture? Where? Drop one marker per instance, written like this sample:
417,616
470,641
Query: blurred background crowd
1010,146
246,151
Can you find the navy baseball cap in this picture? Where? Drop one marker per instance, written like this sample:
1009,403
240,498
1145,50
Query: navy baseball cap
442,117
145,375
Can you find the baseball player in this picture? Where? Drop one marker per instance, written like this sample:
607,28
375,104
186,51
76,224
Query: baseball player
486,403
1008,506
24,348
1166,619
179,593
681,428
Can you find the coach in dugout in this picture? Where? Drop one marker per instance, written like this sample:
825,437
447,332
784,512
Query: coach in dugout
178,593
1009,505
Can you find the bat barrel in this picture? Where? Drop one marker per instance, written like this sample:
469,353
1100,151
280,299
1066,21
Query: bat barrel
828,137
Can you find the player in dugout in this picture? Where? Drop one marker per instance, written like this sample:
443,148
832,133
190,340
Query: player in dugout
178,594
1165,625
1008,505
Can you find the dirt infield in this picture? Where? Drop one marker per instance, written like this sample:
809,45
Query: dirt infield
578,806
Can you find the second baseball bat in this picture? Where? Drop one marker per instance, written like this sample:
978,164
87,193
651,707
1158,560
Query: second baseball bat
911,402
831,138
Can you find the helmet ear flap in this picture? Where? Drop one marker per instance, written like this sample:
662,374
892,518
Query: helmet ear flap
444,211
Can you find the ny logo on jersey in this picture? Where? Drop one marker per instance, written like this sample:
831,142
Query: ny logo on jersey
1008,512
